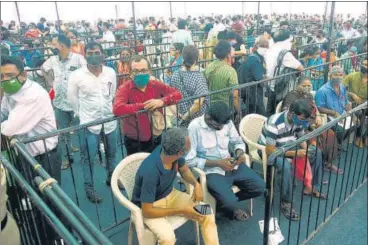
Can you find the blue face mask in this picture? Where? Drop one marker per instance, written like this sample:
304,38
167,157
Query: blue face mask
141,80
298,122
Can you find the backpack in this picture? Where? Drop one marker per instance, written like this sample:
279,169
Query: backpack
284,84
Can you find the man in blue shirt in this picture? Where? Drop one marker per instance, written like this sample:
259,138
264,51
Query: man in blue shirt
154,192
332,99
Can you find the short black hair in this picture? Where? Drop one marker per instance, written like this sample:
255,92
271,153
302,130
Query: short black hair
64,40
232,35
222,49
12,60
281,35
105,24
310,50
182,24
302,78
139,58
220,112
222,35
284,23
178,46
301,107
92,45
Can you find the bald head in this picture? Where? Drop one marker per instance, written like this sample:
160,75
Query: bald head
262,41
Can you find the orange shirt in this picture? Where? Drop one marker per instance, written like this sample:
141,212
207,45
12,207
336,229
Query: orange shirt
123,69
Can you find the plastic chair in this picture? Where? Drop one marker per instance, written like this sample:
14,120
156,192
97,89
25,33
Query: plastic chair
208,198
250,128
278,107
124,174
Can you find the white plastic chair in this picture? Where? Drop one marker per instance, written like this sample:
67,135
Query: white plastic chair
124,174
208,198
278,107
250,128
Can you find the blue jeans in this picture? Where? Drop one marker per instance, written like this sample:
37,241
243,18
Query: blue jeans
65,119
89,143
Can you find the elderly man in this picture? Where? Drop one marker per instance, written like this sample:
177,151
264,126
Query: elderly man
210,136
155,194
332,99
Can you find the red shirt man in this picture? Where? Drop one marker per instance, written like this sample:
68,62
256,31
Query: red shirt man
143,92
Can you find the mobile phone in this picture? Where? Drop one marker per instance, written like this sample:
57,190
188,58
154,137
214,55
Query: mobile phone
204,209
234,160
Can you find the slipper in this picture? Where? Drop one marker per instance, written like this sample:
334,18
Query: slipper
316,194
287,209
240,215
334,169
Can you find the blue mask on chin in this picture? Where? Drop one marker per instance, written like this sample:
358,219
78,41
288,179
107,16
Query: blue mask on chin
298,122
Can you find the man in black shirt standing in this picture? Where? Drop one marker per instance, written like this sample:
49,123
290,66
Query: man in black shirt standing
252,70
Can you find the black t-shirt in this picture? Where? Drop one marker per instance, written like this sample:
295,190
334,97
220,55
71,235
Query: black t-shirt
152,181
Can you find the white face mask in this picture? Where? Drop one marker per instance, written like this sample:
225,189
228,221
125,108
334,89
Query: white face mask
262,51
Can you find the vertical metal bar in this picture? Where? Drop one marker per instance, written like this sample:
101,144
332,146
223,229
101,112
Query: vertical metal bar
170,4
331,23
325,16
259,6
185,9
291,6
134,30
17,9
243,5
116,12
57,12
270,166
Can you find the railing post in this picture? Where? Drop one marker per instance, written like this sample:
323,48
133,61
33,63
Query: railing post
57,13
170,4
134,30
259,6
17,9
267,215
331,23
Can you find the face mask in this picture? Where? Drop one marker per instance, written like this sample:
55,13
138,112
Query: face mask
363,69
11,86
125,58
233,42
262,51
305,90
298,122
55,51
73,41
172,58
335,81
141,80
94,60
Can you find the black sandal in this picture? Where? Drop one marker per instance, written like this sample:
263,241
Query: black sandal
287,209
316,194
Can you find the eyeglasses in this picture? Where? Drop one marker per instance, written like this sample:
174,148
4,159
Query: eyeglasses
143,71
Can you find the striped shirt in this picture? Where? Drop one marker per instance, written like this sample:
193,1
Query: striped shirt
278,131
220,75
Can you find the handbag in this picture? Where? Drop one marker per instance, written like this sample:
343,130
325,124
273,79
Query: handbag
158,122
299,165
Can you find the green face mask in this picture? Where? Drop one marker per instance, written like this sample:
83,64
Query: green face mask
11,86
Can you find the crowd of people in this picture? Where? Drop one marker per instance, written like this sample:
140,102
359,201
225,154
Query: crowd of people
88,85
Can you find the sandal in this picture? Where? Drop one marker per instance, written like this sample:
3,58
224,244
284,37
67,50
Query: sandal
316,194
289,211
359,143
240,215
334,169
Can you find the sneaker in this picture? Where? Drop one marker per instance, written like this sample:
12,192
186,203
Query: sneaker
74,149
65,164
93,196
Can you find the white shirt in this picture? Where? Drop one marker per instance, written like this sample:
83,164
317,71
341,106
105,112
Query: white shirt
62,70
91,97
182,36
351,33
108,37
29,113
271,59
210,144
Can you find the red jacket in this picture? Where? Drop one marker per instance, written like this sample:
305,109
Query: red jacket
129,99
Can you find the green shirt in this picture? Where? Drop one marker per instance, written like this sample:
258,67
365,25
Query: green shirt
220,75
353,83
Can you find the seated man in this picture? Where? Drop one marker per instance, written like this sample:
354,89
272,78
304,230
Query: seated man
154,192
332,99
284,128
356,84
210,136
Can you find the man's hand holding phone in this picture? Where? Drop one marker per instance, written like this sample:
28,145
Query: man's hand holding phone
190,213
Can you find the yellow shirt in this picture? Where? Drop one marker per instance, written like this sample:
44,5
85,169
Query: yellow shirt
353,83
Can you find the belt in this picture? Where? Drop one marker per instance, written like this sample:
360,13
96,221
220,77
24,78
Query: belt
3,222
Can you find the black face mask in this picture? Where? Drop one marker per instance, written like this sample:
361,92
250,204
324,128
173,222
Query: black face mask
363,69
55,51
